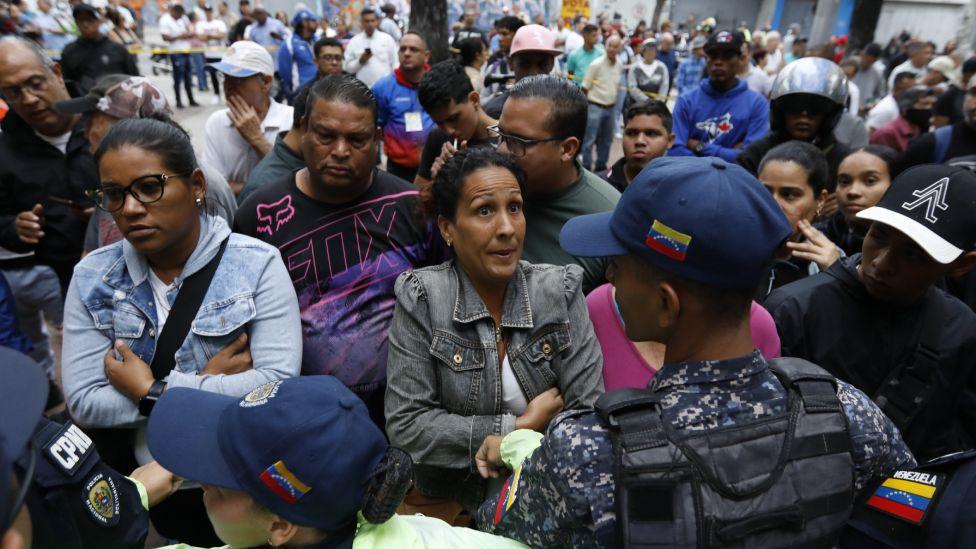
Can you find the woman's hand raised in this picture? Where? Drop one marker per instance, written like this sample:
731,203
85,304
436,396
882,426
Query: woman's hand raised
540,411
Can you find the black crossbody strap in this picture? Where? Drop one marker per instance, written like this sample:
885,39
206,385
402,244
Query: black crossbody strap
180,317
908,389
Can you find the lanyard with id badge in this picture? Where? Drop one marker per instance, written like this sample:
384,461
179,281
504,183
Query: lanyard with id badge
413,121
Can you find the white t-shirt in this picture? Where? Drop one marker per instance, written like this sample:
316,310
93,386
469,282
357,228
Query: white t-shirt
573,40
175,27
229,153
383,61
210,28
885,111
59,142
513,399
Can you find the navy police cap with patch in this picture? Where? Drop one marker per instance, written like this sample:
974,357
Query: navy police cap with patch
302,447
702,219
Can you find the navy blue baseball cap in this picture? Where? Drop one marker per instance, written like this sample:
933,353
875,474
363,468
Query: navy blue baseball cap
702,219
303,447
24,396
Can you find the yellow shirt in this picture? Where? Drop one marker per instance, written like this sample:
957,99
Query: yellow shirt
601,81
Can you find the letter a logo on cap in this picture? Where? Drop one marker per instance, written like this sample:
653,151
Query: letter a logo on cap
933,196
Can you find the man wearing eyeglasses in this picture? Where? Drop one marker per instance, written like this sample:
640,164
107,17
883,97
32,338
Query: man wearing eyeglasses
114,98
542,126
45,168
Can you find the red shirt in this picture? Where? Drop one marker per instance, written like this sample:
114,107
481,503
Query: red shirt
895,134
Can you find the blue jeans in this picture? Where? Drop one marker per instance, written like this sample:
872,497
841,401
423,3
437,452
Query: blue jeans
37,293
599,132
198,62
182,75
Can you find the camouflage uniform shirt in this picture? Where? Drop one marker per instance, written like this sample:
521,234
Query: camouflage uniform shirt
564,492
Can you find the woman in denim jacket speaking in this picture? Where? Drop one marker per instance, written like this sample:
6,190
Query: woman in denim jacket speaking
247,330
483,344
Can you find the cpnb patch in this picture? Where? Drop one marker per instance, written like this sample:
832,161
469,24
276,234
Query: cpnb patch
284,483
260,395
906,495
102,499
68,450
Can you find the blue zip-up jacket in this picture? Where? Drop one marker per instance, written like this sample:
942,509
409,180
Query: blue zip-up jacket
300,53
725,122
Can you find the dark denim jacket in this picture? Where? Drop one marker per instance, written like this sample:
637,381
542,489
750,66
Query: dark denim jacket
444,387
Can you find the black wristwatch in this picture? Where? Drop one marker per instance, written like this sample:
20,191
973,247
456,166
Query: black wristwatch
147,402
699,147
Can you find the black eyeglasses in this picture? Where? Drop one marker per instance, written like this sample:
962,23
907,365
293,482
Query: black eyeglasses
147,189
518,146
34,85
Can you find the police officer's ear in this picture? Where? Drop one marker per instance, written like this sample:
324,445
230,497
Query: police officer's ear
962,265
282,531
668,305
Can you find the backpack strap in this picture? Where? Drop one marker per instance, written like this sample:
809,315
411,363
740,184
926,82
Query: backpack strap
816,387
943,136
633,418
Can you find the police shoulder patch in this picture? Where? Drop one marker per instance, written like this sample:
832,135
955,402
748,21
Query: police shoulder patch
907,495
101,499
260,395
68,448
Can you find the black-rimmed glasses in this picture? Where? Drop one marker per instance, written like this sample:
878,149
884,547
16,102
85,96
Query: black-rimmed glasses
518,146
147,189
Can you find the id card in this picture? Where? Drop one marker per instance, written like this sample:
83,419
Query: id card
414,122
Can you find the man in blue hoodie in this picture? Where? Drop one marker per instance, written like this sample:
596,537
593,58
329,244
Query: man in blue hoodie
722,116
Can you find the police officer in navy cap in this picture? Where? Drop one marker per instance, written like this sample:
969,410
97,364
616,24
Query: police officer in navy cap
723,448
54,490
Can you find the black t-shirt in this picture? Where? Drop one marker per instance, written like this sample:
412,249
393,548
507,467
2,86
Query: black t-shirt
343,261
85,61
432,149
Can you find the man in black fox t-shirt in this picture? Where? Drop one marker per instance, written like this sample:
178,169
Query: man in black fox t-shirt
345,231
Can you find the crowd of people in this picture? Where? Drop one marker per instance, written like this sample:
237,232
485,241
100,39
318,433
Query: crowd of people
400,303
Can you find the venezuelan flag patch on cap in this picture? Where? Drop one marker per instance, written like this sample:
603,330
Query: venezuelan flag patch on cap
906,495
667,241
284,483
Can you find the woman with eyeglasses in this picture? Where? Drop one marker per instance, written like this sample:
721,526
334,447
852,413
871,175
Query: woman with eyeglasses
485,343
245,332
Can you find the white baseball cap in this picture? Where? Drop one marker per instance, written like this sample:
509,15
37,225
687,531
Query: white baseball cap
245,58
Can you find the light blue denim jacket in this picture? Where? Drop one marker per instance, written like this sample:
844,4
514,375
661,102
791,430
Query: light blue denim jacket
110,298
444,388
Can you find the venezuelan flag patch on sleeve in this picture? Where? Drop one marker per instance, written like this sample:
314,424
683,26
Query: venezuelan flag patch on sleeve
906,495
284,483
667,241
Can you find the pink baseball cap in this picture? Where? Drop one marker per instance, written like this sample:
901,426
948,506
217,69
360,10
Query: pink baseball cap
534,38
